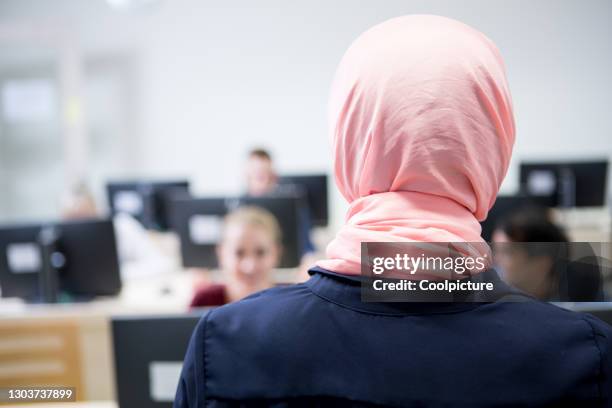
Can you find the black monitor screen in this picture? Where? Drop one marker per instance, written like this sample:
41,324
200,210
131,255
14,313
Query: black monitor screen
84,255
149,353
315,188
566,184
147,201
198,222
90,251
21,261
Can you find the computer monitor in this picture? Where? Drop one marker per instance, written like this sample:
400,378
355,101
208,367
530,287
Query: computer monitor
147,201
149,353
20,261
565,184
72,260
199,222
91,259
315,189
503,207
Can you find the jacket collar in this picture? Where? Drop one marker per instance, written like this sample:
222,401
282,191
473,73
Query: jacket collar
345,290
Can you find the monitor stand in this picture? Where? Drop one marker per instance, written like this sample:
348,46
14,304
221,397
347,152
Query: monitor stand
53,260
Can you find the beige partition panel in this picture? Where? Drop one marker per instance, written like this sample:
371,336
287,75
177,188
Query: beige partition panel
40,352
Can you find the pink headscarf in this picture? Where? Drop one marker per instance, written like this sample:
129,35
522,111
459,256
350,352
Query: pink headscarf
423,129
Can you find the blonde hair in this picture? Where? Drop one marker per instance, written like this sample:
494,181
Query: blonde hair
257,217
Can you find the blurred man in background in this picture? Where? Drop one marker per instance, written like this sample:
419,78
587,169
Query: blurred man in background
262,180
261,177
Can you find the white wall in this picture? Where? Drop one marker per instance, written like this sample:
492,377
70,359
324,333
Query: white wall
216,78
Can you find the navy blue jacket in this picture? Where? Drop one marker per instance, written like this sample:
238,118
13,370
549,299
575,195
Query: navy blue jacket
317,344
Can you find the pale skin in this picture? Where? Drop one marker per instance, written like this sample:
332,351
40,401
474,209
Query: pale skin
260,176
247,255
78,207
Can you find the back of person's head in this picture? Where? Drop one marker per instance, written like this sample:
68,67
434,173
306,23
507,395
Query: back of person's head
534,238
531,224
422,125
532,251
250,247
260,153
261,177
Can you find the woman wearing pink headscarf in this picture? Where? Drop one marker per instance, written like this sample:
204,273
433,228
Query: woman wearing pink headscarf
422,128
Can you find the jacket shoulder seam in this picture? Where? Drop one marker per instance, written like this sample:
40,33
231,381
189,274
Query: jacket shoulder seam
204,357
600,354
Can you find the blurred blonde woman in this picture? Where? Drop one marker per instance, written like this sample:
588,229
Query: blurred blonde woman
250,248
